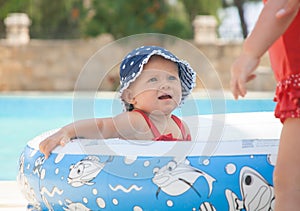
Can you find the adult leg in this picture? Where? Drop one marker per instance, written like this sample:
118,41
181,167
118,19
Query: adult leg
287,169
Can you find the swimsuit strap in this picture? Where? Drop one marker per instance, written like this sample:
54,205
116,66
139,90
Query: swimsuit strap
180,125
153,128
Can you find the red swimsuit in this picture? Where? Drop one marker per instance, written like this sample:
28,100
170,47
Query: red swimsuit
285,61
167,137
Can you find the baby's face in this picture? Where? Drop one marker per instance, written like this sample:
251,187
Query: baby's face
158,87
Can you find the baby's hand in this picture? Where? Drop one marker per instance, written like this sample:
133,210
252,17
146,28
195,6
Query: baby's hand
59,138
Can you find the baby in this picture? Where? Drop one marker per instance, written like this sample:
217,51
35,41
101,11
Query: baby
154,82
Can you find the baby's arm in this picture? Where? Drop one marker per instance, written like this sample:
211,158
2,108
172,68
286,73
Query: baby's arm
267,30
127,125
89,128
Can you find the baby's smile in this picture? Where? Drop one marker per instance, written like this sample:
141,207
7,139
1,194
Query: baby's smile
165,97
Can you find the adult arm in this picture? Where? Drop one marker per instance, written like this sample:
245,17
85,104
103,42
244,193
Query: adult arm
289,7
267,30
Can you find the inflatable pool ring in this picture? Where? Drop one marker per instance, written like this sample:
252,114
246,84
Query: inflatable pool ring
132,175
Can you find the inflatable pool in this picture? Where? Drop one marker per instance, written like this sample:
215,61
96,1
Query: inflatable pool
228,174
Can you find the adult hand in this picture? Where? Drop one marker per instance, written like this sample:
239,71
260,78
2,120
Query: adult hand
241,73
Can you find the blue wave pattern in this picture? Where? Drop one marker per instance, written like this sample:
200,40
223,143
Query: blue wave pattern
93,182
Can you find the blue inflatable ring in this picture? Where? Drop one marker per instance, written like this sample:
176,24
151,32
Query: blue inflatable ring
146,175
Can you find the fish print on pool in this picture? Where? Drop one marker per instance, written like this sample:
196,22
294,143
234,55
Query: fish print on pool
84,171
176,178
257,194
95,182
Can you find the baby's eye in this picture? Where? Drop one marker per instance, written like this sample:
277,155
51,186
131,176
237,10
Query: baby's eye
152,79
171,77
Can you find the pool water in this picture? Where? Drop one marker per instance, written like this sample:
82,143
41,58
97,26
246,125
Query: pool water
24,117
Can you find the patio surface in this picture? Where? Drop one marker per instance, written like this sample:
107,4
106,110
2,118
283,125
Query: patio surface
11,198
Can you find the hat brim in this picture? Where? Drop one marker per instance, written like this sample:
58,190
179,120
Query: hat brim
186,74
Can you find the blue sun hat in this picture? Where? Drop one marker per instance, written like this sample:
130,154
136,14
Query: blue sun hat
132,66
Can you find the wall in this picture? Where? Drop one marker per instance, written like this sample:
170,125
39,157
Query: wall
54,65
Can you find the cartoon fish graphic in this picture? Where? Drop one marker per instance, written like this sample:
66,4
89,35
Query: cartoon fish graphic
257,193
206,206
84,171
25,187
75,206
38,165
176,178
21,163
47,204
28,192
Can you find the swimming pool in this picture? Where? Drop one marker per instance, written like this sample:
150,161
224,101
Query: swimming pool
23,117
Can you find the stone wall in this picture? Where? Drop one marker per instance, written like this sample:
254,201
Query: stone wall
223,54
54,65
